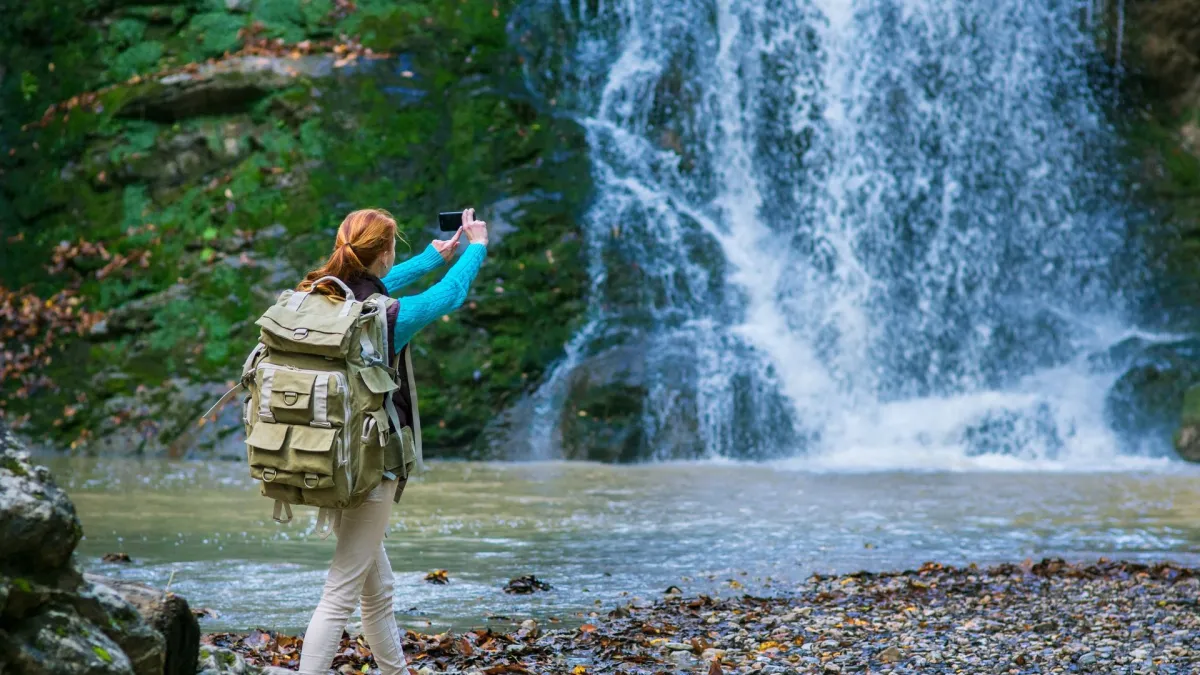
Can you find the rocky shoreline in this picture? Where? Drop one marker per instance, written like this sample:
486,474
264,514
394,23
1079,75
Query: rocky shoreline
1046,617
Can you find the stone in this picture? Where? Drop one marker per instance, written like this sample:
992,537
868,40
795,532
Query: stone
529,628
54,620
678,646
168,615
1145,402
61,643
890,655
145,646
1187,437
220,661
682,659
224,87
38,524
1087,659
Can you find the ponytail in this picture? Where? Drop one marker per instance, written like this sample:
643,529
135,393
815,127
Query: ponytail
362,237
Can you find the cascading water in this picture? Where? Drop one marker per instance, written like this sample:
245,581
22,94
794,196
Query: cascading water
868,233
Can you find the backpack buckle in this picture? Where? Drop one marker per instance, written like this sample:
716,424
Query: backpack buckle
269,474
300,333
310,477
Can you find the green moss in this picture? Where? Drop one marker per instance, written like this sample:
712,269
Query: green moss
460,132
102,653
11,464
22,585
1191,406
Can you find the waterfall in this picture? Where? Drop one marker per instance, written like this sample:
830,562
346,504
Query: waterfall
858,233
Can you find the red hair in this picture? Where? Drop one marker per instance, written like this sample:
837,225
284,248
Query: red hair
362,237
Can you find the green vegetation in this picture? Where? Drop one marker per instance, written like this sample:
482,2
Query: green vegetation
153,221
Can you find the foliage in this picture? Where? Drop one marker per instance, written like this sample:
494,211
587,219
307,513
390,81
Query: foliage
170,236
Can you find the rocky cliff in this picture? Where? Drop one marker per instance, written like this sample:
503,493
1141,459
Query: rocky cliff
1158,71
166,169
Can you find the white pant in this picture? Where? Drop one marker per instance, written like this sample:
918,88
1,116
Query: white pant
360,568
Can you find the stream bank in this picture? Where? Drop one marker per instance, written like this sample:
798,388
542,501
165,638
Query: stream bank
1050,616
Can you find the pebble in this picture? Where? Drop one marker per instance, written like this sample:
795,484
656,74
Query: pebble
1108,617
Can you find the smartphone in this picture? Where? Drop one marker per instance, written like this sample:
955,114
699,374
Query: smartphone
449,221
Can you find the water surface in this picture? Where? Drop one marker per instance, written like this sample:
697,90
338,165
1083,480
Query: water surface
602,534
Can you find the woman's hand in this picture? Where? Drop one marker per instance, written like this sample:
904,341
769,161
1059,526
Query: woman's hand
447,247
476,229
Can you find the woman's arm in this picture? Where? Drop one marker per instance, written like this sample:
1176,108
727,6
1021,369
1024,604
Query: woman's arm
412,269
418,311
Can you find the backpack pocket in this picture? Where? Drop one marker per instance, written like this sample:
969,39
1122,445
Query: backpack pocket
289,395
295,455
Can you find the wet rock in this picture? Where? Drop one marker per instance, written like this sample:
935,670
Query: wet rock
525,585
890,655
38,524
1144,404
602,420
168,615
142,644
52,619
1187,438
58,642
116,558
220,661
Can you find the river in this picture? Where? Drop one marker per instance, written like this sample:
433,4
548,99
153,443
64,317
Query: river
601,534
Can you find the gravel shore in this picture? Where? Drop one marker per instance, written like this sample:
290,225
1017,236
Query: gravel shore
1046,617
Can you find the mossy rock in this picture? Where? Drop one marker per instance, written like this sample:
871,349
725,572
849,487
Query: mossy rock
1144,404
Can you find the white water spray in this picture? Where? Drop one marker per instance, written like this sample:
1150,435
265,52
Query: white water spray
872,233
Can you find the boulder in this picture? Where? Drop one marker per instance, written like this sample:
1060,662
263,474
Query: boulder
55,621
38,524
167,614
1143,405
1187,438
228,86
602,417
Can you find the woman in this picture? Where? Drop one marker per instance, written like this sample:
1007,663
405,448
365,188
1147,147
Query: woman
363,258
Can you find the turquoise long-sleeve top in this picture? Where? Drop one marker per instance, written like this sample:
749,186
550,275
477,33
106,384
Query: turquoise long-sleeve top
422,309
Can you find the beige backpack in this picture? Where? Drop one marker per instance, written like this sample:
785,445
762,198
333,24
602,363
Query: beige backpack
319,401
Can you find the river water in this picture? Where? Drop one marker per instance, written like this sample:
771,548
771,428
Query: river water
603,534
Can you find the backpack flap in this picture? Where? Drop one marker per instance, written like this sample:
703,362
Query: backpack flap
377,380
320,326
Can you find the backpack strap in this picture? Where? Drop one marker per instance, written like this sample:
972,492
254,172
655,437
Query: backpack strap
282,507
327,520
226,398
299,297
321,402
264,396
415,422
